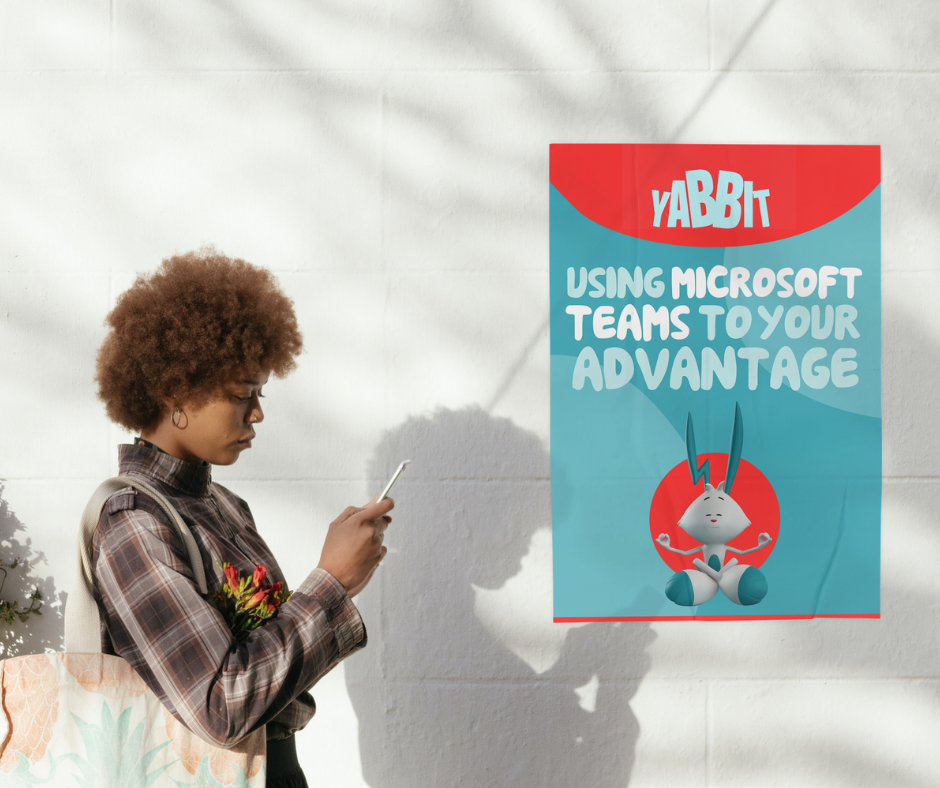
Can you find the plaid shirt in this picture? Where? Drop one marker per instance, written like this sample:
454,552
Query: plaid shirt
153,616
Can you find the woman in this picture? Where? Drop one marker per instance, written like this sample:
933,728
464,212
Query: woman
189,351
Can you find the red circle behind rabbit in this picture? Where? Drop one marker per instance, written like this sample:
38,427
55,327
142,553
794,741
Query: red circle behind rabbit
750,490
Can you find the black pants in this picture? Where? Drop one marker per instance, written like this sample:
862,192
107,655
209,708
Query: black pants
283,768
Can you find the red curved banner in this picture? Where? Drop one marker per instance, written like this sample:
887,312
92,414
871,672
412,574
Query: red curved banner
714,195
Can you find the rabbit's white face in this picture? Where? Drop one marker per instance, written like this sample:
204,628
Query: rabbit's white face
714,517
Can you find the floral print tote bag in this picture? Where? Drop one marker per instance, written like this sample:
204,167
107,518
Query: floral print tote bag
85,719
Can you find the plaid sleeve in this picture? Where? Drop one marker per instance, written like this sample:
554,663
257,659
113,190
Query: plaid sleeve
327,593
182,648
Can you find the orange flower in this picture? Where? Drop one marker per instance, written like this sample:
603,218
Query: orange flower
248,602
256,600
275,594
231,575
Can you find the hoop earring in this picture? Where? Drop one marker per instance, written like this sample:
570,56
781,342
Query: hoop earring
175,417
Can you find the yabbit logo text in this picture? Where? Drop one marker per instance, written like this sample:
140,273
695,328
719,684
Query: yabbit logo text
699,202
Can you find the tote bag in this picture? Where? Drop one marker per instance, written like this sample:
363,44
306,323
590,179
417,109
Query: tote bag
85,719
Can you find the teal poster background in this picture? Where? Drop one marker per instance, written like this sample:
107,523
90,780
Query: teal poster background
810,405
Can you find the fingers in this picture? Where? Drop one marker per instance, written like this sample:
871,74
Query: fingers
374,511
381,524
354,545
348,512
380,552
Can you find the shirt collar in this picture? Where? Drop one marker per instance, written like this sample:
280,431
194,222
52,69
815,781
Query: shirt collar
148,460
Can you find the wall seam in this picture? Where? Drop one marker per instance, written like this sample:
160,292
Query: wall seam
535,71
709,31
412,480
708,737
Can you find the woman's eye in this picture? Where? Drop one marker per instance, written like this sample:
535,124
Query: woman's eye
245,400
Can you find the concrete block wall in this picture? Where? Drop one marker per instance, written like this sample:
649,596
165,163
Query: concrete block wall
389,160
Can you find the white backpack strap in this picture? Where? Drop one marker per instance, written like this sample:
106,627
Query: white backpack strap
82,620
192,550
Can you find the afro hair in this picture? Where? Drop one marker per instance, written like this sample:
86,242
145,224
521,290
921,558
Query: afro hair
178,335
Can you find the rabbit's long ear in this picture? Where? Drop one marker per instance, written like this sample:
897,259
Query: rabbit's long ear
737,444
696,471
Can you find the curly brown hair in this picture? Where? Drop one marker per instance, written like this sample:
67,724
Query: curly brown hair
178,335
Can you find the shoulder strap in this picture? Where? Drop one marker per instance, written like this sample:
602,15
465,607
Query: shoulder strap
82,619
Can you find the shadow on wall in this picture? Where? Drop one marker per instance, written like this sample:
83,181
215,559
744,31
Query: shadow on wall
467,681
39,633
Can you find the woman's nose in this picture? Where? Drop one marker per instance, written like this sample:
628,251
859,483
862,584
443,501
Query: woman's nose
255,414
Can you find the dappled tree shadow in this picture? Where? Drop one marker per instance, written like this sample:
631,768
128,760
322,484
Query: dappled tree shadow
43,632
602,99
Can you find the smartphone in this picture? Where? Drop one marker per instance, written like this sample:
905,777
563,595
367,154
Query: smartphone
391,482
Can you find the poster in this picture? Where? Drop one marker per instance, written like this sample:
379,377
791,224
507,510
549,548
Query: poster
715,381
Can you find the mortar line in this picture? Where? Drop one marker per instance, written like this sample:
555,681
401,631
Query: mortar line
722,73
771,680
386,361
384,208
484,70
709,28
708,738
519,363
317,480
414,480
111,41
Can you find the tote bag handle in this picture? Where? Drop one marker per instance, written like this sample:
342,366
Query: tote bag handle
82,619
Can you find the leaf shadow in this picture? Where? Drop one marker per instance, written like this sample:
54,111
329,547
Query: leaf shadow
42,632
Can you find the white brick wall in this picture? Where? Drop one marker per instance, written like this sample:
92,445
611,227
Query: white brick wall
390,161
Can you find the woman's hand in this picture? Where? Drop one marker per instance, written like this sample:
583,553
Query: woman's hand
353,547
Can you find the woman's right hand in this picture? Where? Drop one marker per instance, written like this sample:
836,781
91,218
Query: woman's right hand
353,547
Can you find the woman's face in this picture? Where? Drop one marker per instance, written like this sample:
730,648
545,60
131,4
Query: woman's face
221,430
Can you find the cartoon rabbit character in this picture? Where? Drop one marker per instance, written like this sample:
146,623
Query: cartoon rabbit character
714,519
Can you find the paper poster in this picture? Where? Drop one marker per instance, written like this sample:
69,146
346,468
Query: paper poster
716,381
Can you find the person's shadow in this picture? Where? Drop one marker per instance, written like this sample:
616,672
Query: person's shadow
466,681
42,632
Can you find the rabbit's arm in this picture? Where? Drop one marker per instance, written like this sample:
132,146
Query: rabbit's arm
663,541
762,540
